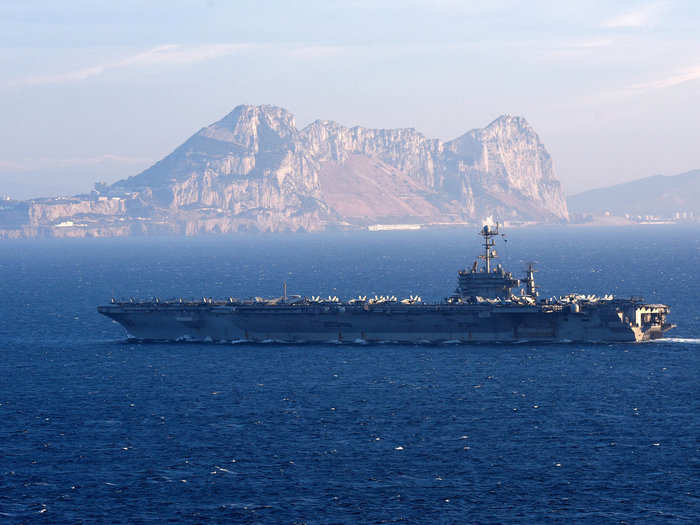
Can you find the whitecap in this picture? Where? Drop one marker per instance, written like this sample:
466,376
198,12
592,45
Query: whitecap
686,340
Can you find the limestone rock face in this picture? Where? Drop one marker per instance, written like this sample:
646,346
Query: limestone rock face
41,213
404,149
502,171
506,164
247,164
254,170
254,164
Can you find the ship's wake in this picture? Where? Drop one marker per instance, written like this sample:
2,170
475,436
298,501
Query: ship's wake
364,342
684,340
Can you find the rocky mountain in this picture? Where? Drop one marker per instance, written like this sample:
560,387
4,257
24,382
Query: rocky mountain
255,170
657,195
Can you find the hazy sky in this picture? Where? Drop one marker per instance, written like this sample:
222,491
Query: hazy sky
99,90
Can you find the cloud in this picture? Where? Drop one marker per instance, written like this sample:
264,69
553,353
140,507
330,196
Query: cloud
645,16
581,48
170,54
176,54
674,79
47,162
316,51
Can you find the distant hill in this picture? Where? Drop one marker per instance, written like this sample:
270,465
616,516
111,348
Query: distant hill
656,195
254,170
255,162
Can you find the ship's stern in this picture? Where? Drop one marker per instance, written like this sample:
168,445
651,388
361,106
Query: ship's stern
650,321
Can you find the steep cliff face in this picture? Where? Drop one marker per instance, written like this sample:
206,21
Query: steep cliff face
248,163
254,170
504,168
47,212
255,162
404,149
501,171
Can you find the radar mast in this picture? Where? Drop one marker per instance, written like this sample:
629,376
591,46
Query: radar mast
488,233
486,282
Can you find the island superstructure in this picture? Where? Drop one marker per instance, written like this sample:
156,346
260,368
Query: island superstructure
483,308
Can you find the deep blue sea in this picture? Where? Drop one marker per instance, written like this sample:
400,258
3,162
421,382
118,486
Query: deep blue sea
97,429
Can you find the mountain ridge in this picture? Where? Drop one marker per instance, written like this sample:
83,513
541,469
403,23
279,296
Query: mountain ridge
254,169
262,142
653,195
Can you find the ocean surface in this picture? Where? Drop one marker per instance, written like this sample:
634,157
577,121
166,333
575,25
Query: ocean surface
97,429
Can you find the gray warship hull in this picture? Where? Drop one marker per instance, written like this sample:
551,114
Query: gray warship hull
483,309
411,323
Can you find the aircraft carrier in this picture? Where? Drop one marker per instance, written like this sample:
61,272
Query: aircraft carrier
483,309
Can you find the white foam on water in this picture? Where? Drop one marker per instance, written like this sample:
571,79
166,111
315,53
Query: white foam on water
686,340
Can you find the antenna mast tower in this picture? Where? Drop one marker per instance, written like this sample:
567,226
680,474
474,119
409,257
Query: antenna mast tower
488,234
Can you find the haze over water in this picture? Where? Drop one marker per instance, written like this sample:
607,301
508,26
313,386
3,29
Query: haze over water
96,428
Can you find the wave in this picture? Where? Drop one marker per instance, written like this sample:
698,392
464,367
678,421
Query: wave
686,340
363,342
